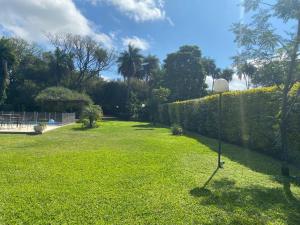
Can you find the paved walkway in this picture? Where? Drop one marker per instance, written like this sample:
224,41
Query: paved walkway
26,129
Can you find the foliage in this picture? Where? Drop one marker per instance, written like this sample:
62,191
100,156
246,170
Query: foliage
247,72
76,63
39,128
260,42
150,68
158,96
176,129
270,73
227,74
90,115
116,175
112,96
60,99
250,118
210,69
184,73
7,58
130,63
86,54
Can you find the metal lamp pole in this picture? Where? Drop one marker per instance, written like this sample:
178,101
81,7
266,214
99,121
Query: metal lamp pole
220,164
221,85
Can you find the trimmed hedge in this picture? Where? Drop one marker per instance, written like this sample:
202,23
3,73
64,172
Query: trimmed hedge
250,119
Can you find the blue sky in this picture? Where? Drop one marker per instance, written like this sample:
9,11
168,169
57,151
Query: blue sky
203,23
158,27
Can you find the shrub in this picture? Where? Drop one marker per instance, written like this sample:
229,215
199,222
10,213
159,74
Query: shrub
176,129
90,115
39,128
250,118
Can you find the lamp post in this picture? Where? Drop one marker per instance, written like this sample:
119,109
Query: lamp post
220,86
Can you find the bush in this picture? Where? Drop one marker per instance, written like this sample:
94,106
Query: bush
176,129
39,128
60,99
90,115
250,119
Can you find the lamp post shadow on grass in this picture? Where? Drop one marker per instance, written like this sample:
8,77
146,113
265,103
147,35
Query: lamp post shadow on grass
203,191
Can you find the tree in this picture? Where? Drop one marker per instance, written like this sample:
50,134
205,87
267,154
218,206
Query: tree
130,66
210,69
60,99
158,96
184,73
7,59
112,96
61,67
150,68
270,73
260,43
92,113
227,74
247,72
89,58
130,63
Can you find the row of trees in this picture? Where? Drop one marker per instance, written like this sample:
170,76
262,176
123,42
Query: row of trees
76,63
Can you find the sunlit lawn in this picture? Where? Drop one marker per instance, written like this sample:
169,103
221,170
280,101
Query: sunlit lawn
132,173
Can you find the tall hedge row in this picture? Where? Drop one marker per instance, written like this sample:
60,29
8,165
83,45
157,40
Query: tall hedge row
250,119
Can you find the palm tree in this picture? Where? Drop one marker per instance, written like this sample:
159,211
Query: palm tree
130,63
246,71
210,69
150,67
227,74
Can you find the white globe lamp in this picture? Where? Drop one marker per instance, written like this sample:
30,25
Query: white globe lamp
221,85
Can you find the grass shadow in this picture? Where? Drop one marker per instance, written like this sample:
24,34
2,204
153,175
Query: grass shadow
256,161
144,129
148,125
198,192
79,128
249,205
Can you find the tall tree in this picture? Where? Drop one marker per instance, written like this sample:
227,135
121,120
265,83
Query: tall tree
246,71
130,63
210,69
184,73
150,67
260,42
270,73
227,74
7,58
61,67
89,57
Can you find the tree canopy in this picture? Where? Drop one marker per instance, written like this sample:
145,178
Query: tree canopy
184,73
62,99
261,44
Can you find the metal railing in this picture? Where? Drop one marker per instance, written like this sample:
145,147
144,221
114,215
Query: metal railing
22,119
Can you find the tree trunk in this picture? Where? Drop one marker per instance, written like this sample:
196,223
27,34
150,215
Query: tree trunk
284,107
4,78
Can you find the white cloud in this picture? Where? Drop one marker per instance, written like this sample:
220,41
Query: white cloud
136,42
32,19
139,10
235,84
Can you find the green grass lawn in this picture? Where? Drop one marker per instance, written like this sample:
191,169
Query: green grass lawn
132,173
